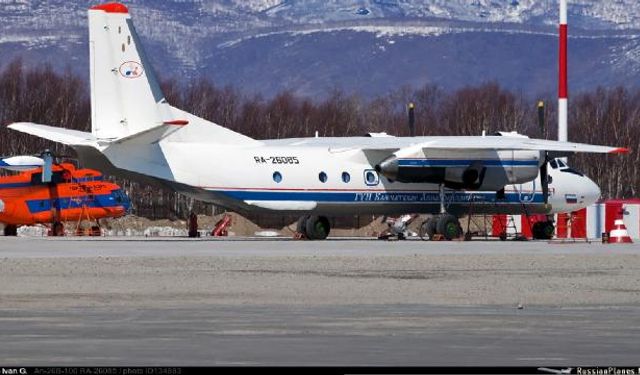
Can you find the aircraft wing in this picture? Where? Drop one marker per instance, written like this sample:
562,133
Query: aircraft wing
61,135
499,143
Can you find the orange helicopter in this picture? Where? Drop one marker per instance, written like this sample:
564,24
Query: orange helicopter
52,193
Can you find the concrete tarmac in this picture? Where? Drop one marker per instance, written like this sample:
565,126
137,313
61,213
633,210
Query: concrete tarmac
339,302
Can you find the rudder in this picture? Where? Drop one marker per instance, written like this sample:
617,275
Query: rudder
126,100
125,95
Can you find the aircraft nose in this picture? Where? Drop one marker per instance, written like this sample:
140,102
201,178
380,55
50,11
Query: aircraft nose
591,192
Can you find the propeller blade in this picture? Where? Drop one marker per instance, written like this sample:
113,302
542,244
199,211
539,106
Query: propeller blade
544,178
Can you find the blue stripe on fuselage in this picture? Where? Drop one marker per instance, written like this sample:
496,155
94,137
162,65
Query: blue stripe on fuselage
465,163
376,196
41,205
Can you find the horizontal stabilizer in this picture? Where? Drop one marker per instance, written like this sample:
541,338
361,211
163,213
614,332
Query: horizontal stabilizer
53,133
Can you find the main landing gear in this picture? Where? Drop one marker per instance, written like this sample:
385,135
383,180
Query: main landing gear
445,225
313,227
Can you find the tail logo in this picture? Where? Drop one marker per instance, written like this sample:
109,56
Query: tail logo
131,69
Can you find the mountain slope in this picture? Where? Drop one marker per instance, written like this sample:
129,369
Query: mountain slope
366,46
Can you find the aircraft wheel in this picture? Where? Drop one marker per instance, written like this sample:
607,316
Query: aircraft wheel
301,225
543,230
428,228
449,226
11,230
317,227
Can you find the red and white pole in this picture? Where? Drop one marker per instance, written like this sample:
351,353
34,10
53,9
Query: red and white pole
563,88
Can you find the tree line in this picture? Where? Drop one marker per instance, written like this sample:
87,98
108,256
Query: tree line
605,116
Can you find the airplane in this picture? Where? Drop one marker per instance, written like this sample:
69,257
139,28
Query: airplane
137,134
52,194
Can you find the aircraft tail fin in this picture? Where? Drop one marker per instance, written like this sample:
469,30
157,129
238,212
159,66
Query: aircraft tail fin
126,98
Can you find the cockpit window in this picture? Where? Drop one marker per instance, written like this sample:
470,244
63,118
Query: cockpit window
119,196
563,167
571,170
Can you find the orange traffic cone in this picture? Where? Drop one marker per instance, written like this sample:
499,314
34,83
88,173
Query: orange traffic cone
619,233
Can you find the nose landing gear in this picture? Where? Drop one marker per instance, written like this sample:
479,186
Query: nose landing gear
543,230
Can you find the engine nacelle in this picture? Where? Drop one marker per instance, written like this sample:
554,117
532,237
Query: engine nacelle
487,174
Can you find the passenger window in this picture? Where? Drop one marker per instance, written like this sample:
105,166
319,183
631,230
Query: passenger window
346,177
322,177
277,177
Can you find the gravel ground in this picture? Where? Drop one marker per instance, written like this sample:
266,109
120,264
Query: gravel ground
43,273
143,302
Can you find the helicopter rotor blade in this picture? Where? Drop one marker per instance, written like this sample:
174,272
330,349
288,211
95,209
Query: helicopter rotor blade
21,163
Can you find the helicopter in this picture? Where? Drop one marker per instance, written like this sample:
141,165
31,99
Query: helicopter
51,193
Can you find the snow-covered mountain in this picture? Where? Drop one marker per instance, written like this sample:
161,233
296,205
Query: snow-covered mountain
368,46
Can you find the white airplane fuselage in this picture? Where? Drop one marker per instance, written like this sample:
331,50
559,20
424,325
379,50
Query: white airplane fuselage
326,176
